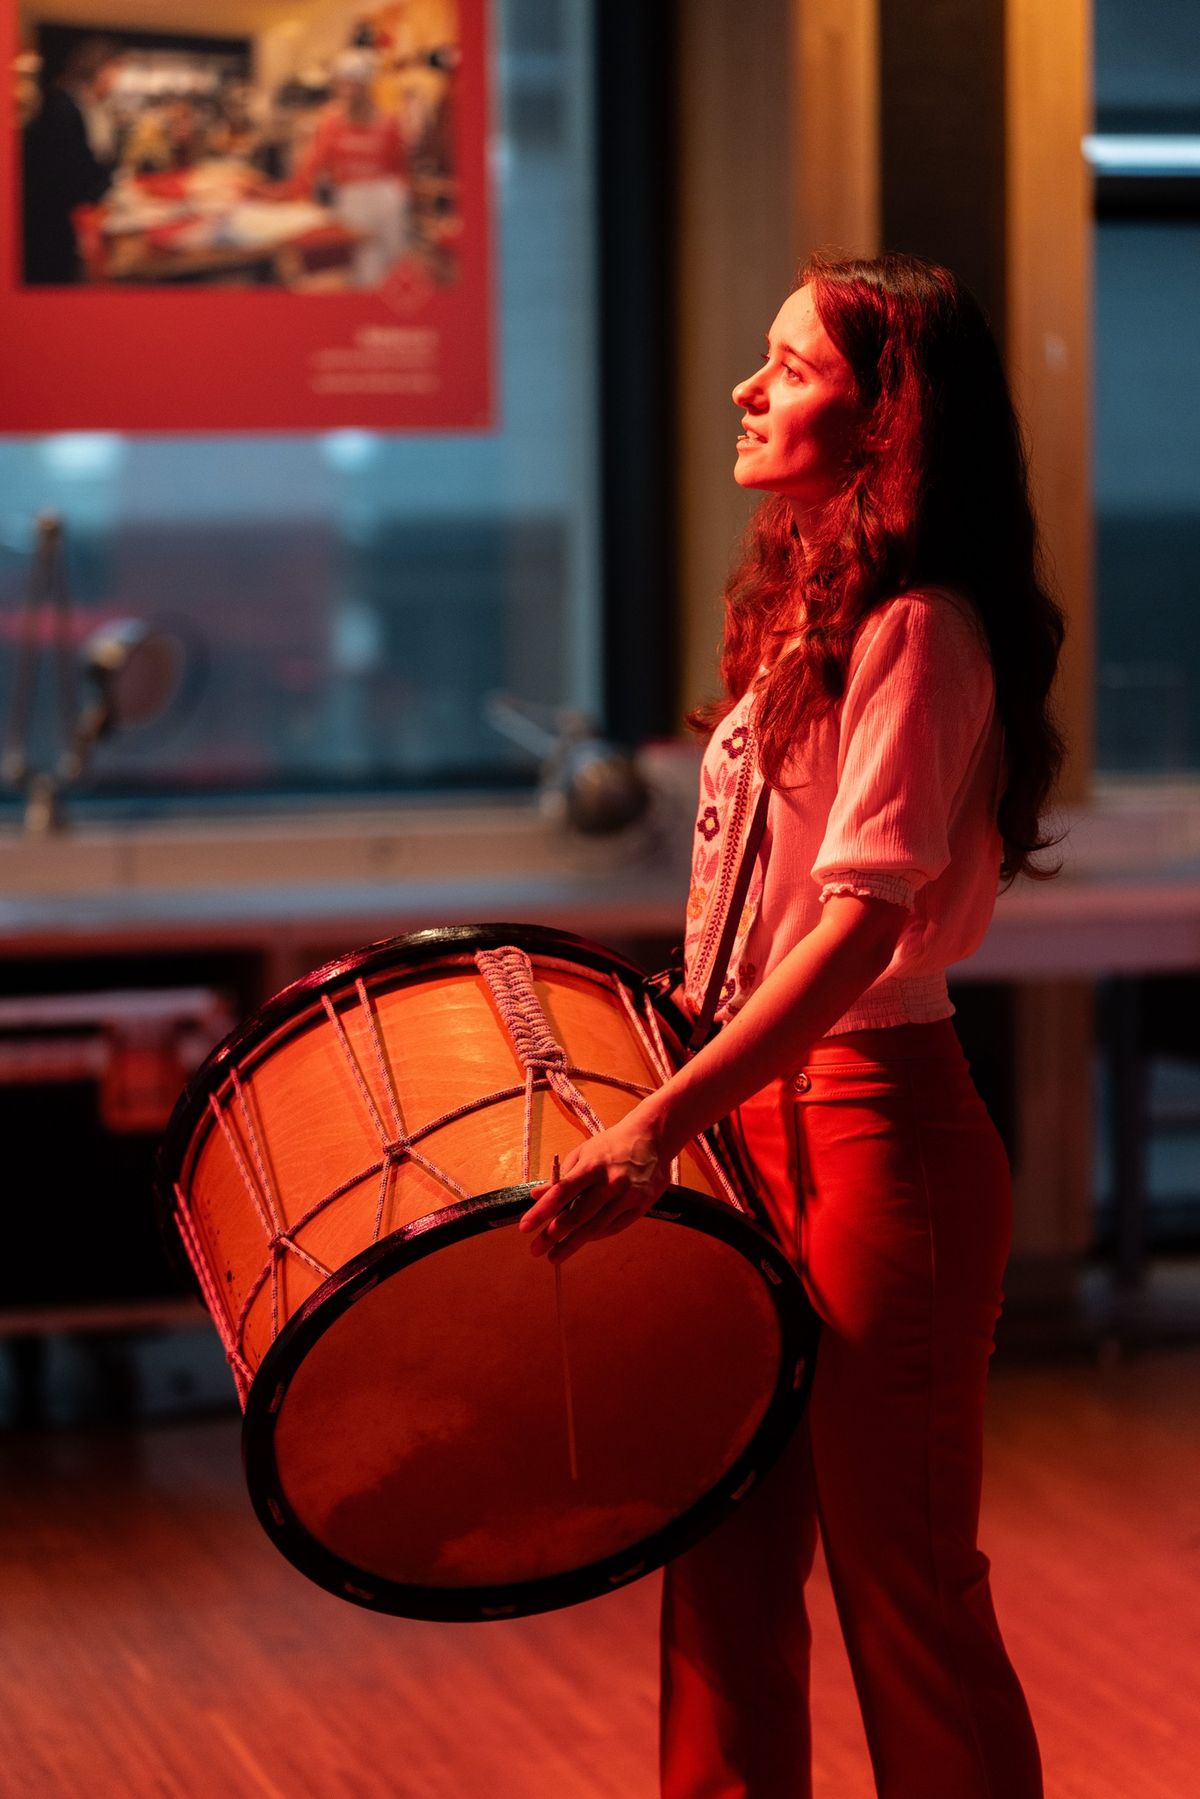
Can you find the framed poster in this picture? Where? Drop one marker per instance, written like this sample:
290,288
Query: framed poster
245,215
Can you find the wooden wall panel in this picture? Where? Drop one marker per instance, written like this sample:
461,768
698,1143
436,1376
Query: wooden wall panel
835,135
1048,272
736,255
1049,284
942,135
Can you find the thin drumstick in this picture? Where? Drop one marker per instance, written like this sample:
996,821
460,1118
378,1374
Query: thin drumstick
568,1395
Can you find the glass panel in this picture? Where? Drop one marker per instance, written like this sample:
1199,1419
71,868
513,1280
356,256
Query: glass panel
1147,399
1147,66
348,600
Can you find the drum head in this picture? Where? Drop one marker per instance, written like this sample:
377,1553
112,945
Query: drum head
452,1428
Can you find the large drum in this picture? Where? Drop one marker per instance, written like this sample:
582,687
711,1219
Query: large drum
438,1423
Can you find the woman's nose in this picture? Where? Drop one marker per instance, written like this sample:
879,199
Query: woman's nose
746,392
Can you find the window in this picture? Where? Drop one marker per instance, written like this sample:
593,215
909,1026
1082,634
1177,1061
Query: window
348,600
1146,155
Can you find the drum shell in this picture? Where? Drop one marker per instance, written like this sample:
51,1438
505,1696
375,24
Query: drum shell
281,1164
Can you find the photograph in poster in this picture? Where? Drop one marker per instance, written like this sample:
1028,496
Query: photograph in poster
214,156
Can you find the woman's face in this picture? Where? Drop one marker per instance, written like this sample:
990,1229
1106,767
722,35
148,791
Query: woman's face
352,95
802,415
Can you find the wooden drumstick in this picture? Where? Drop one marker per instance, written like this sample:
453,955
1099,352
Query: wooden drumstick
568,1395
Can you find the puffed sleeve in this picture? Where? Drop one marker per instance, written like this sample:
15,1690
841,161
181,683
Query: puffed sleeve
918,700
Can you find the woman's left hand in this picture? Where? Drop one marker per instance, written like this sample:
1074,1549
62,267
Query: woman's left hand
606,1184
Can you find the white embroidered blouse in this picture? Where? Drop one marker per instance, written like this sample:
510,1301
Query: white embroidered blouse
893,794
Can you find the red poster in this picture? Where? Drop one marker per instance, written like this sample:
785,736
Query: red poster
212,223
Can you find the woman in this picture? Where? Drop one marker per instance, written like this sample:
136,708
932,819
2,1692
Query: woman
889,651
359,150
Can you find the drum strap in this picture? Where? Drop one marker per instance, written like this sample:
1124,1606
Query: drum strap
737,899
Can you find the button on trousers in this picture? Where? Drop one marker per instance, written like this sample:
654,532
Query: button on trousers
887,1182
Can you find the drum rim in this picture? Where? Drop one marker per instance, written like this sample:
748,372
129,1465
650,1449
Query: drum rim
411,947
799,1333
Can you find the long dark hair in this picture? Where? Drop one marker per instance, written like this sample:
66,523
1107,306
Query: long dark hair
937,494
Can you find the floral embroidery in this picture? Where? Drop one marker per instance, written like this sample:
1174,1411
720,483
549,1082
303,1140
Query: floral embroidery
729,784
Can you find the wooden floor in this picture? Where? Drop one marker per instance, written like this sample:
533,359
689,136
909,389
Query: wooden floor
152,1642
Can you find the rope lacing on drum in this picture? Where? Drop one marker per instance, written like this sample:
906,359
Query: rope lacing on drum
546,1066
398,1145
280,1243
262,1194
243,1374
652,1044
509,975
394,1148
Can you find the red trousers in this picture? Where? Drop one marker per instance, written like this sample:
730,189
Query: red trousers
886,1180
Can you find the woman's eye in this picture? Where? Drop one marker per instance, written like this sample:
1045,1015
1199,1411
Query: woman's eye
794,373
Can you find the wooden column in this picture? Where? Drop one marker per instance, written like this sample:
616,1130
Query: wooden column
1048,219
942,131
1048,215
835,133
736,254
